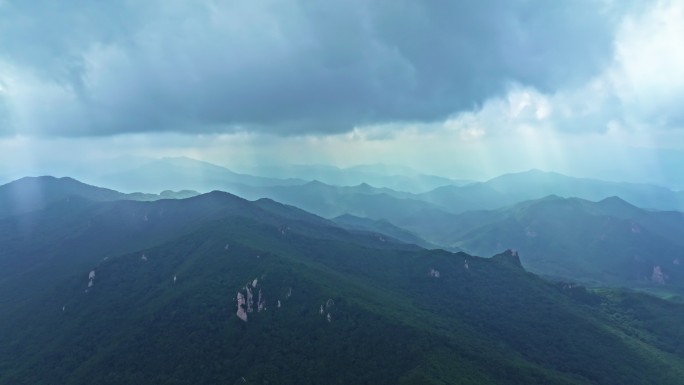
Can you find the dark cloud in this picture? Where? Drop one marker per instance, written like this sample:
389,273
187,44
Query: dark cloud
290,67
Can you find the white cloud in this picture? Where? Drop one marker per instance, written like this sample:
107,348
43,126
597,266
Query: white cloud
641,90
648,73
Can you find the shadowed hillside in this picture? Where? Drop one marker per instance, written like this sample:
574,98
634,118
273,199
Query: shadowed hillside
218,289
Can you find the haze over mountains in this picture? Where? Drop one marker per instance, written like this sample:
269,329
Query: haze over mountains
126,291
379,175
147,288
34,193
452,195
184,173
611,242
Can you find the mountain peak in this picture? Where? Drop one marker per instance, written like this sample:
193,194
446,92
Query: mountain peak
33,193
364,187
617,205
531,173
509,256
316,183
217,195
41,178
614,200
49,181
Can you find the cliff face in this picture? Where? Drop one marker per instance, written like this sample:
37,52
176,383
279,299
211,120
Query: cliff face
245,300
509,256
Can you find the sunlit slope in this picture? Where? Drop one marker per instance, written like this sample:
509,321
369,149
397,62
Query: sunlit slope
29,194
34,193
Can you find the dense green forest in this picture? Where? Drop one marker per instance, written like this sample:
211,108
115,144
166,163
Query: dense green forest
328,305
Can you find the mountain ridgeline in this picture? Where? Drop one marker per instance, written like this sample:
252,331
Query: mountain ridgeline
609,242
99,288
34,193
288,184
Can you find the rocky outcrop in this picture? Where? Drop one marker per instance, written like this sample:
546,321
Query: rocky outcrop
91,278
509,256
261,304
245,301
251,298
326,309
241,313
658,276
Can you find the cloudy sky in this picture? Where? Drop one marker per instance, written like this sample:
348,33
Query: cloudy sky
467,89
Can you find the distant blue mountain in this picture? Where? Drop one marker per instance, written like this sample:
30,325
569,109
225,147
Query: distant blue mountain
379,175
184,174
534,184
604,243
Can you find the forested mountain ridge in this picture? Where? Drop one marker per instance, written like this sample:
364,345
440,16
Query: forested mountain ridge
151,292
609,242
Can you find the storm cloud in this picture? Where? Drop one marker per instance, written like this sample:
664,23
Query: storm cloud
84,68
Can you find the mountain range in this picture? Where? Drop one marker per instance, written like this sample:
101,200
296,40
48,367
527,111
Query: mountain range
609,242
454,196
218,289
183,174
380,175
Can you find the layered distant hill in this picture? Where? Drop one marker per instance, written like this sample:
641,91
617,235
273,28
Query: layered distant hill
514,188
609,242
290,183
217,289
184,174
566,246
380,175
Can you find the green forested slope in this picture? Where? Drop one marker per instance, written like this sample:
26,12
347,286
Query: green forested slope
609,242
162,306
